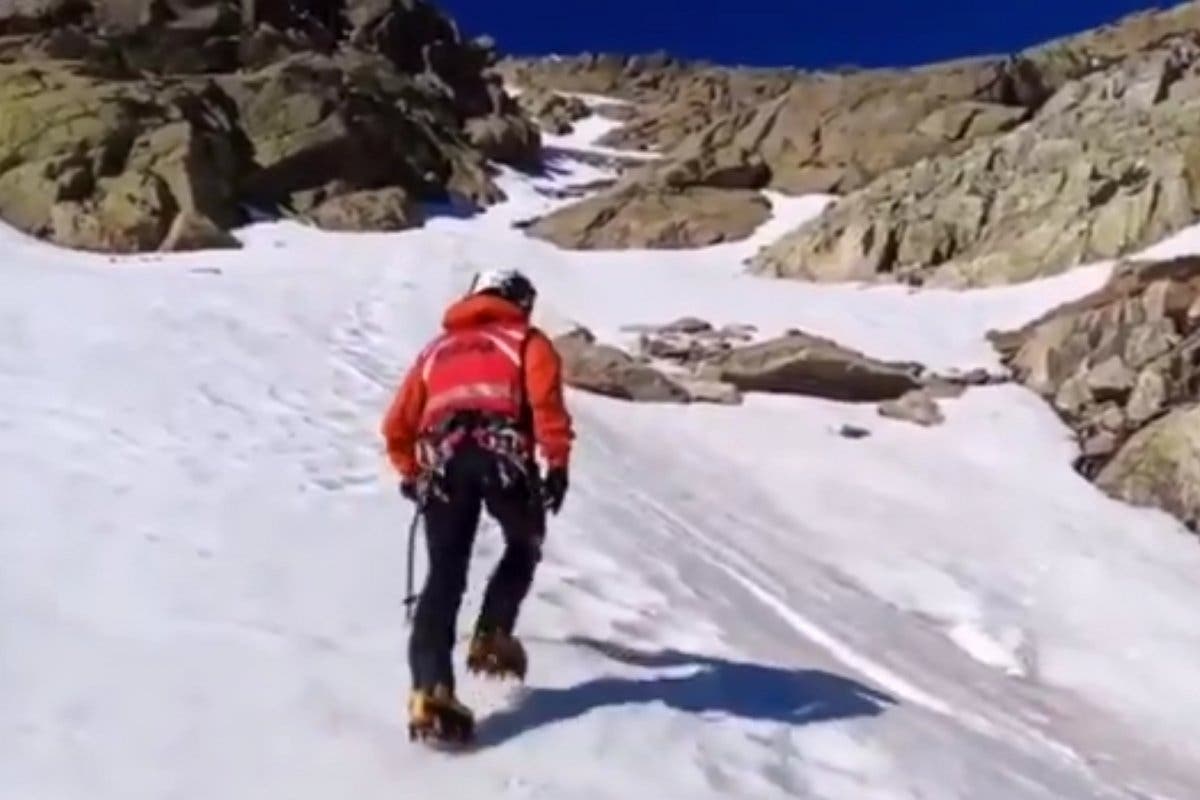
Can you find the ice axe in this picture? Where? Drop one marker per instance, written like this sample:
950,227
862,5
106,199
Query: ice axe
410,598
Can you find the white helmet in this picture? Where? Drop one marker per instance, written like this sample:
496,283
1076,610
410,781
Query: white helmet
507,283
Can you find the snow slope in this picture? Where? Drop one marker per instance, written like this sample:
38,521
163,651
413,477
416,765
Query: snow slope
202,551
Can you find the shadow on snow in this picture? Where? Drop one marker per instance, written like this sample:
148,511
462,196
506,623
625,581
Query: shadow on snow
716,687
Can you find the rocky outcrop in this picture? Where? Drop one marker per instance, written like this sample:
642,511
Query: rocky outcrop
691,360
108,166
748,130
1159,467
612,372
814,132
919,407
698,200
673,98
638,216
799,363
1109,164
670,98
26,16
390,209
115,117
1069,58
959,173
688,342
1120,368
509,141
835,134
554,112
192,231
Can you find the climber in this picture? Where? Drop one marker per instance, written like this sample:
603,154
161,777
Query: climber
463,431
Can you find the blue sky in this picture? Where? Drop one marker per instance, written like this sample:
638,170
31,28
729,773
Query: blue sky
823,33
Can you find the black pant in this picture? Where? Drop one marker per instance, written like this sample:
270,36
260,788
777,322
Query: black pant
472,482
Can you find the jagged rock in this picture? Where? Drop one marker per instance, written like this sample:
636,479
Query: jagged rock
194,231
970,119
1111,379
1100,445
25,16
316,101
554,112
687,325
1160,466
1074,395
690,342
418,39
132,213
652,217
507,139
1108,417
835,118
802,364
1149,341
672,98
940,388
708,369
390,209
114,151
1103,168
918,407
610,371
1149,396
835,135
702,391
725,169
309,128
1117,363
131,15
1068,58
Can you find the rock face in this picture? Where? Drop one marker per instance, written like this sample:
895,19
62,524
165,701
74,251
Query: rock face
1110,163
1120,367
117,116
636,216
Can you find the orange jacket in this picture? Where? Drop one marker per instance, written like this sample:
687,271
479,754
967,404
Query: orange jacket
552,425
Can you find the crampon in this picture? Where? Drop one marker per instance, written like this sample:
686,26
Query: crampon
497,655
437,717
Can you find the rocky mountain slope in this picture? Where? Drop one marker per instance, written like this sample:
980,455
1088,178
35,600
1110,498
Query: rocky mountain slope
960,172
1120,366
132,125
137,125
972,173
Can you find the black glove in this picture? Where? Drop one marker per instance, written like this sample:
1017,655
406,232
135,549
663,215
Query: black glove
554,488
411,489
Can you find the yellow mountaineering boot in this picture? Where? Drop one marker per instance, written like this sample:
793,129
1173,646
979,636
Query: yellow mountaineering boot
437,715
496,654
